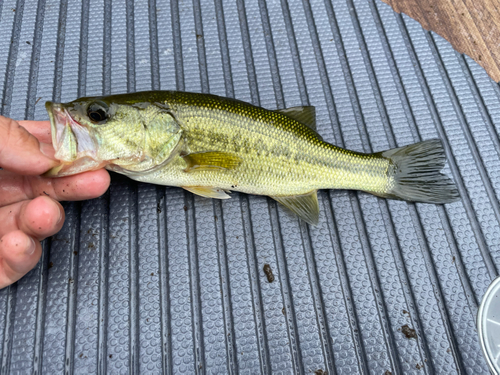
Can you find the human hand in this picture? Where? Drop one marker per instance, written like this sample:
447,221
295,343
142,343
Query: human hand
29,207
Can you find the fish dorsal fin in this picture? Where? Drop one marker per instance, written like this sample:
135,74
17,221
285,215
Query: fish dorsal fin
199,161
305,206
207,192
305,115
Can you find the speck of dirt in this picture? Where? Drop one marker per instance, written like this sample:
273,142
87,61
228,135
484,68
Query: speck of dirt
111,356
269,273
152,273
28,42
387,372
48,195
75,252
81,355
283,311
199,36
406,312
158,208
185,208
51,265
320,372
408,332
91,245
419,366
70,280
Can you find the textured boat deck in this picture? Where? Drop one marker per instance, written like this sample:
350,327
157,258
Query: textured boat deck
153,279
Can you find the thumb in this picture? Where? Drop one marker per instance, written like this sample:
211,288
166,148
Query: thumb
19,253
20,152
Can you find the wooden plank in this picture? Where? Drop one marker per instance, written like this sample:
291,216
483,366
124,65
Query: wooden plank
471,26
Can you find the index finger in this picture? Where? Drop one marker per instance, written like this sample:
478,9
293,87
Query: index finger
40,129
20,152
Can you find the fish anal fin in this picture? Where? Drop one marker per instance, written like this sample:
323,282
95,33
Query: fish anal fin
211,159
207,192
305,115
305,206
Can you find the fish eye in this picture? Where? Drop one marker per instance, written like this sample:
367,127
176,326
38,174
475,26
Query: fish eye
98,112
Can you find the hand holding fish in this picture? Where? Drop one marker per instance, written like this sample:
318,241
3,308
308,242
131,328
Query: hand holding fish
29,207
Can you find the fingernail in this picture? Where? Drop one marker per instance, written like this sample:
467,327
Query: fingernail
30,249
47,150
60,218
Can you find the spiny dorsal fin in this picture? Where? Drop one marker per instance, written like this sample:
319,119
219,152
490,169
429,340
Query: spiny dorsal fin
305,206
209,160
305,115
207,192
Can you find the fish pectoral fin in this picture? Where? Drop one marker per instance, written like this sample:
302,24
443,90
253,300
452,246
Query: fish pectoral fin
305,206
305,115
207,192
198,161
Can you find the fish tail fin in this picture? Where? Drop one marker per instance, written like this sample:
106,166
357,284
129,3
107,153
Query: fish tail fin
415,174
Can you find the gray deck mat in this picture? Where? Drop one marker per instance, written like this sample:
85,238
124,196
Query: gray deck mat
154,279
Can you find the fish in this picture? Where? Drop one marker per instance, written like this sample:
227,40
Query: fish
212,146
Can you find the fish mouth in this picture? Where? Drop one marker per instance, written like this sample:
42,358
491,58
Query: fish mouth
72,142
70,139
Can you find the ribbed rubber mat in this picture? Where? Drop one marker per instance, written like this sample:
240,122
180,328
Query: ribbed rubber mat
152,279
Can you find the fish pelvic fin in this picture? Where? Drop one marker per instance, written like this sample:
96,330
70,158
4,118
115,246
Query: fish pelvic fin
415,174
208,192
305,206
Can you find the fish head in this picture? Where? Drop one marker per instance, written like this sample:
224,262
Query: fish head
92,133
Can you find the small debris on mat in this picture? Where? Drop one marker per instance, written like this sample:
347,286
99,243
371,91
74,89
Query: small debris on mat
269,273
408,332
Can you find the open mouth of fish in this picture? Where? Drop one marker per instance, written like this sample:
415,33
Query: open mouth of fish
74,146
70,139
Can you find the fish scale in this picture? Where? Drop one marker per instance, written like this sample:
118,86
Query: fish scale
281,156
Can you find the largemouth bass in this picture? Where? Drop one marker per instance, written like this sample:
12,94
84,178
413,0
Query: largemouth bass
211,146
